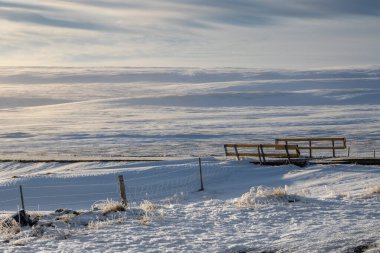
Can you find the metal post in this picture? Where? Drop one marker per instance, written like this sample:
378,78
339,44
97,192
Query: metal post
200,174
123,196
22,198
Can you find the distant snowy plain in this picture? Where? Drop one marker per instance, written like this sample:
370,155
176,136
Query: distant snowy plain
158,112
190,112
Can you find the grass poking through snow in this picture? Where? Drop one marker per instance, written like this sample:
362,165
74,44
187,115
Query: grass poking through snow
265,195
374,190
9,227
150,210
109,206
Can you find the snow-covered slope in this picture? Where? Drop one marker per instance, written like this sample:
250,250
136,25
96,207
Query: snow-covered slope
334,209
188,112
128,111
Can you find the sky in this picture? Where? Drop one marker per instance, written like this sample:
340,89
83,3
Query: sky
290,34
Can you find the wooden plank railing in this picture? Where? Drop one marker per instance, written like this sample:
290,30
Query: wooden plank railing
257,150
331,143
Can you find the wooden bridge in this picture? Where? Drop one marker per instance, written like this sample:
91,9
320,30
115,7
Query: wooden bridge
292,150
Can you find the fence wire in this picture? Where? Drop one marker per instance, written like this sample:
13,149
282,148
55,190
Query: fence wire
163,184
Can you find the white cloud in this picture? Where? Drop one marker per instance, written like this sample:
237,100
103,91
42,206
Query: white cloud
241,33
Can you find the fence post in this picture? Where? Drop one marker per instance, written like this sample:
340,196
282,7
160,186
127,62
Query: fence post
237,153
200,174
310,153
287,152
259,152
123,196
262,153
22,198
348,152
225,149
333,146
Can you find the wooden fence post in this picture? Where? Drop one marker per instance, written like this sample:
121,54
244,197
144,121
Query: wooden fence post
262,153
333,146
287,152
22,198
200,174
259,152
310,153
123,196
237,153
225,149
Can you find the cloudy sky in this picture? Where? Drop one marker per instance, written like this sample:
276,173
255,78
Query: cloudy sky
190,33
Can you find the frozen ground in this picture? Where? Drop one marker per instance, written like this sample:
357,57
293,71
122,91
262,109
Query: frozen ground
189,112
129,112
334,209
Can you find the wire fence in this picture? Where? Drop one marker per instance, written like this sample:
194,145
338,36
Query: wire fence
155,184
165,184
364,148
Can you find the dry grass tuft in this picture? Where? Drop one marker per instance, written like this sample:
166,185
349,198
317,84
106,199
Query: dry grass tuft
264,195
278,192
150,210
145,220
99,224
148,206
374,190
9,227
109,206
66,217
246,200
21,241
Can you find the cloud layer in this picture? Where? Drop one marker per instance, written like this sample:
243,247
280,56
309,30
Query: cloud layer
223,33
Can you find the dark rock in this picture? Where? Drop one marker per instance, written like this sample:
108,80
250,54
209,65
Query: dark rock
23,219
66,211
362,248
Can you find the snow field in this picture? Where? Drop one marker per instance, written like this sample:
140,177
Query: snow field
72,187
333,211
175,112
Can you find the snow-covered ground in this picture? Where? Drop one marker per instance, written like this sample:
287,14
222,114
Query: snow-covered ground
334,209
129,112
189,112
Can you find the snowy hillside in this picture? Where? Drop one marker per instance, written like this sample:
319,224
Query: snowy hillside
81,112
319,209
163,111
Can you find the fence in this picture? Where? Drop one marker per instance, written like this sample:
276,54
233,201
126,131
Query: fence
257,150
310,144
82,192
363,148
